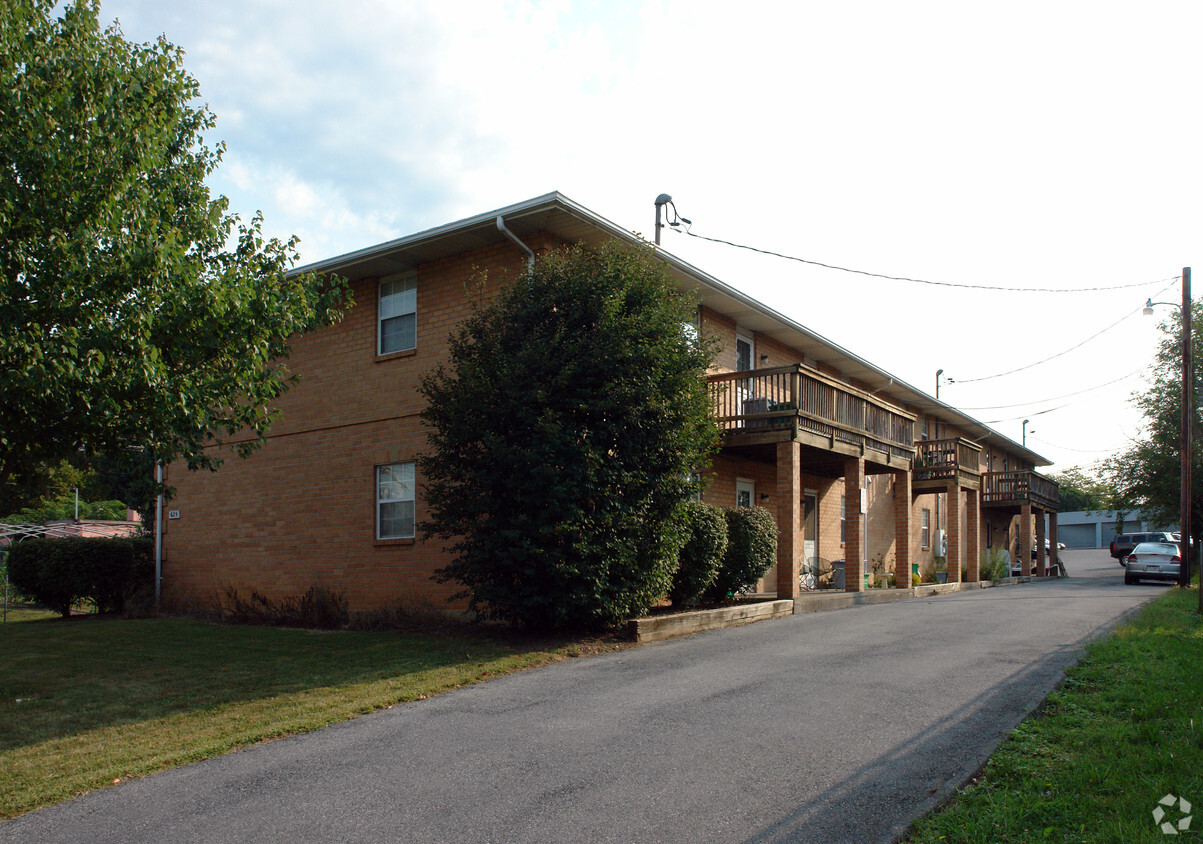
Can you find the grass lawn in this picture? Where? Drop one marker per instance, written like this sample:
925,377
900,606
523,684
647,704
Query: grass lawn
1123,731
27,613
91,701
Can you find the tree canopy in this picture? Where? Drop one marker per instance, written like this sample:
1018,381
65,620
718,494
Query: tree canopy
1148,474
1080,490
564,431
137,312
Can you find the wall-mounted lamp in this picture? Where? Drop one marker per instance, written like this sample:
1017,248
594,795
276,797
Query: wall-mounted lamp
764,358
764,496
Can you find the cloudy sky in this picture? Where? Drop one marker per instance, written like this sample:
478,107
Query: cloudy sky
1026,144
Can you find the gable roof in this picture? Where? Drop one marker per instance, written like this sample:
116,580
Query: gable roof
558,215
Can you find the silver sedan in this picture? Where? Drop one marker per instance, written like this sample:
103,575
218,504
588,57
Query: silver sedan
1153,561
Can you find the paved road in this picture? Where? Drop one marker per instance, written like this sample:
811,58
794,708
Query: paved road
835,726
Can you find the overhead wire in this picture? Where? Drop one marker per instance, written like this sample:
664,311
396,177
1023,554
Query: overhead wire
1053,398
1078,450
1029,415
1058,354
687,230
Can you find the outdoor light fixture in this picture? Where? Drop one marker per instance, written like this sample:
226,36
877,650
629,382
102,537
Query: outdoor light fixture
939,372
1025,432
662,200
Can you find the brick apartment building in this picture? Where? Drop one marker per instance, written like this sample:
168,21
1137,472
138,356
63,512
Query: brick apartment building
854,464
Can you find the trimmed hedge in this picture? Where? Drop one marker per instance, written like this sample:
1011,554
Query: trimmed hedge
702,555
751,551
59,573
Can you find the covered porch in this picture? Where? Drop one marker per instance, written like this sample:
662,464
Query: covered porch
803,421
1032,497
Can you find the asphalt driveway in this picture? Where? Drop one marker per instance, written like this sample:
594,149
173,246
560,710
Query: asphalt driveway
836,726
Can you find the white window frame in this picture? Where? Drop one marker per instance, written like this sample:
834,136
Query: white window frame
925,528
409,291
407,496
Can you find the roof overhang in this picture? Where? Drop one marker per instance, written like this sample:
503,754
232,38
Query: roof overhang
558,215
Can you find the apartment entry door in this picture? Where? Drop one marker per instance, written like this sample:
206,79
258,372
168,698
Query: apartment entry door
810,527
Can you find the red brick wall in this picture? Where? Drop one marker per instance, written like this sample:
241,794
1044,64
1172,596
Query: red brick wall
301,511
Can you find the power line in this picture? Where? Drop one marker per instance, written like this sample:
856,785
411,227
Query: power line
1058,354
677,228
1078,450
1029,415
1053,398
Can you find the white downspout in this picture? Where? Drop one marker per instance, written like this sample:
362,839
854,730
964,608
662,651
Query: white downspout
530,261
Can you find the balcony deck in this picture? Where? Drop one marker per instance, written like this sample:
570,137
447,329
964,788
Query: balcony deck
939,462
796,402
1013,489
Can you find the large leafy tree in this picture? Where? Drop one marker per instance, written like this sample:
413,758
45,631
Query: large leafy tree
136,312
563,433
1081,490
1148,474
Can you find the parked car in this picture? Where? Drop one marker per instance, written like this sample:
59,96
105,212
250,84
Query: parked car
1048,550
1123,544
1153,561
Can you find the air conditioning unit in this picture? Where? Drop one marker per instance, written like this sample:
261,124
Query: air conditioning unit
941,543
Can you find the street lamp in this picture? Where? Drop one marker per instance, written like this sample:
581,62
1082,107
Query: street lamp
1025,432
939,372
1188,439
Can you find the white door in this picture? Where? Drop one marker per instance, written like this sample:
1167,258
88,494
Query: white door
745,493
810,526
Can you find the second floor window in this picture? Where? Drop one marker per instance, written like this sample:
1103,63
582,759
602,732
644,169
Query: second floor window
398,314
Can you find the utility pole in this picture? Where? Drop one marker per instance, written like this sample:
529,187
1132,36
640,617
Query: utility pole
1188,441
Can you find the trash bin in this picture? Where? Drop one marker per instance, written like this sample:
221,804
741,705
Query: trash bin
837,575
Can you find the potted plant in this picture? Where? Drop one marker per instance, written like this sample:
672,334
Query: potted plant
941,568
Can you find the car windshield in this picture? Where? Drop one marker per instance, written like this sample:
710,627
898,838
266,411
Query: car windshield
1159,548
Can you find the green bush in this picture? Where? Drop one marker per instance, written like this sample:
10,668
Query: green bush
702,554
995,565
751,551
58,573
563,431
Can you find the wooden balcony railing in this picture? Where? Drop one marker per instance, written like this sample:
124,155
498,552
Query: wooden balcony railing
1016,487
802,400
948,460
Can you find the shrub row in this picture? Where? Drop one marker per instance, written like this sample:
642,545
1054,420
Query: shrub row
725,552
59,573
